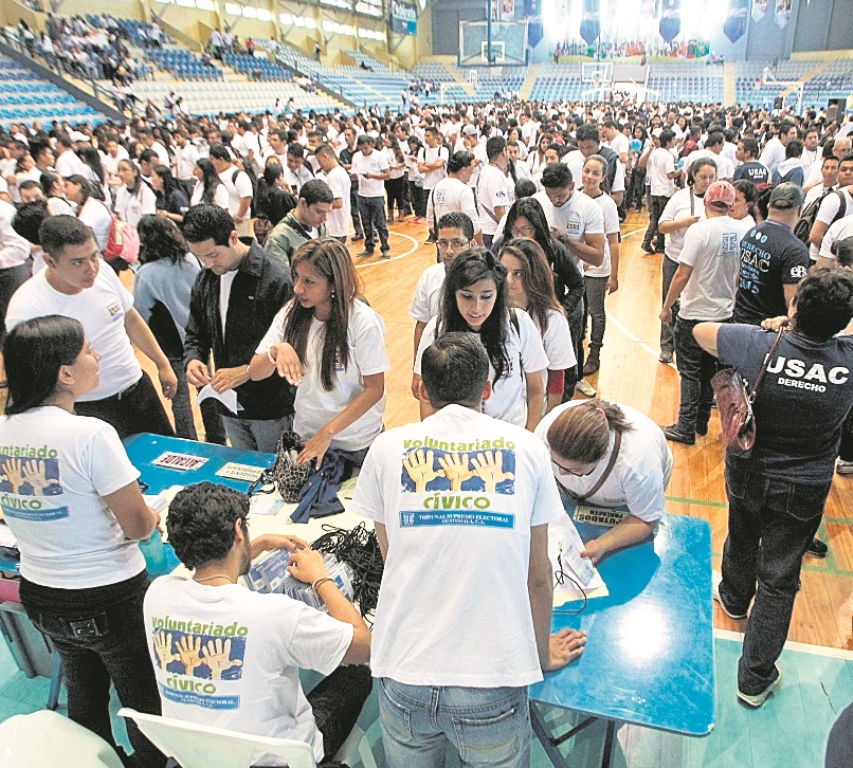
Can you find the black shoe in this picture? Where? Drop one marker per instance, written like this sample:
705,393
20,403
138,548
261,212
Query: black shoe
660,249
647,247
673,432
365,252
665,356
429,241
702,428
357,238
817,548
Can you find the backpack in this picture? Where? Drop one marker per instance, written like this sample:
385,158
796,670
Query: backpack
612,159
254,180
804,226
122,248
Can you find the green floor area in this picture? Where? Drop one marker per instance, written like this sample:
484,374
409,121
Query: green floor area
790,730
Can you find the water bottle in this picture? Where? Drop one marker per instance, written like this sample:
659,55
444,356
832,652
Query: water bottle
152,551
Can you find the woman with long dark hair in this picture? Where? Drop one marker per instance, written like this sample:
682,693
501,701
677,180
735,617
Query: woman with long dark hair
95,172
394,184
135,198
209,188
274,201
77,514
172,203
53,186
329,344
474,299
91,211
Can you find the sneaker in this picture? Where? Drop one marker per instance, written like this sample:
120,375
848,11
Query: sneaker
414,220
585,388
647,247
817,548
665,357
385,253
756,701
365,252
716,578
673,432
357,238
844,467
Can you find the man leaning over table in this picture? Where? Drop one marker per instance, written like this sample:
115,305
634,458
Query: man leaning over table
461,504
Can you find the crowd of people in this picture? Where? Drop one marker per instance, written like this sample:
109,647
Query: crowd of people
244,285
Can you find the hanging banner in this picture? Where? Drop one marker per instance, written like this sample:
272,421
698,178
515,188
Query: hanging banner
670,19
591,22
759,9
404,18
735,26
783,13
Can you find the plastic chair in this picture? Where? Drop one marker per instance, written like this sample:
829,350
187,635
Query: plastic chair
202,746
46,739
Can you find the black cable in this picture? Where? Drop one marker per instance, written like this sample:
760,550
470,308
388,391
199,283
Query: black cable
559,576
359,549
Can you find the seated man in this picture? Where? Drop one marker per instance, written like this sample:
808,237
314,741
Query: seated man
228,657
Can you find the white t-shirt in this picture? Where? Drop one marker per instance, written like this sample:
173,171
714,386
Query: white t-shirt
725,167
557,341
712,248
842,229
814,193
337,222
110,163
101,310
773,154
828,210
131,208
95,214
185,160
427,299
68,537
676,209
260,640
575,161
220,196
641,472
478,631
298,178
610,214
578,216
525,353
314,406
68,164
391,157
59,206
620,145
451,195
374,163
494,190
238,189
661,163
432,155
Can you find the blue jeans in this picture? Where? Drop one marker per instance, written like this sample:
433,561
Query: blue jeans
256,434
771,522
489,727
668,270
372,210
696,368
100,636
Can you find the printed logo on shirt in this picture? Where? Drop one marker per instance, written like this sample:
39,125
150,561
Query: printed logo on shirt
814,378
114,310
30,476
195,662
731,242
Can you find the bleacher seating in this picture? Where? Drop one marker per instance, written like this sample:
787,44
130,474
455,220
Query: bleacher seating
256,67
183,64
682,81
25,96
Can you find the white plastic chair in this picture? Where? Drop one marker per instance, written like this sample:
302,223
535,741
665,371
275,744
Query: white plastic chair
46,739
201,746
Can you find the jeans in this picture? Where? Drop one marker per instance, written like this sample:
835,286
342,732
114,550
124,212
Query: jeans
596,288
489,727
845,453
212,412
668,270
337,701
656,206
420,196
181,409
137,409
372,210
354,213
696,369
100,636
573,375
256,434
394,194
771,522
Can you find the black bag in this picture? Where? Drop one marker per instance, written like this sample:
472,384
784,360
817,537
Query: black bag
804,225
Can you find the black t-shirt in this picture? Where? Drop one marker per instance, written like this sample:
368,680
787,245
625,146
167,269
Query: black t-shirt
802,403
754,172
771,257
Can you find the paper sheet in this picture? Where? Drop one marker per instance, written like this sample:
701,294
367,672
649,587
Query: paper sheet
567,592
7,538
227,398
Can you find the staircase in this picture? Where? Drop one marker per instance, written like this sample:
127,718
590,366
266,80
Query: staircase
529,80
808,76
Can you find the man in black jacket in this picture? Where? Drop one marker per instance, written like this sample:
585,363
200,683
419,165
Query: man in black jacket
233,303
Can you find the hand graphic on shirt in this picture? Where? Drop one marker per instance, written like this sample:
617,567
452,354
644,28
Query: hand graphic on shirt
488,466
216,656
455,468
12,469
163,649
189,651
419,468
34,475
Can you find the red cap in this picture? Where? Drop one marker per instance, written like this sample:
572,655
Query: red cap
720,192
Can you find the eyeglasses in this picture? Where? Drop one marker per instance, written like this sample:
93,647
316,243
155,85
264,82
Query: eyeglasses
457,245
523,231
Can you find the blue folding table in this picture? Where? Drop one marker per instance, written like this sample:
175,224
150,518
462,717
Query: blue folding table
649,655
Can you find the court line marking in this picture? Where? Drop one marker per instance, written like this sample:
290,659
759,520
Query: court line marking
791,645
414,247
626,332
678,500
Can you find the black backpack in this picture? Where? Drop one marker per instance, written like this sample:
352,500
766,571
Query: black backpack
804,225
612,159
254,180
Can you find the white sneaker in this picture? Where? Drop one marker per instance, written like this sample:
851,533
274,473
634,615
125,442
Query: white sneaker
757,700
844,467
716,578
585,388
